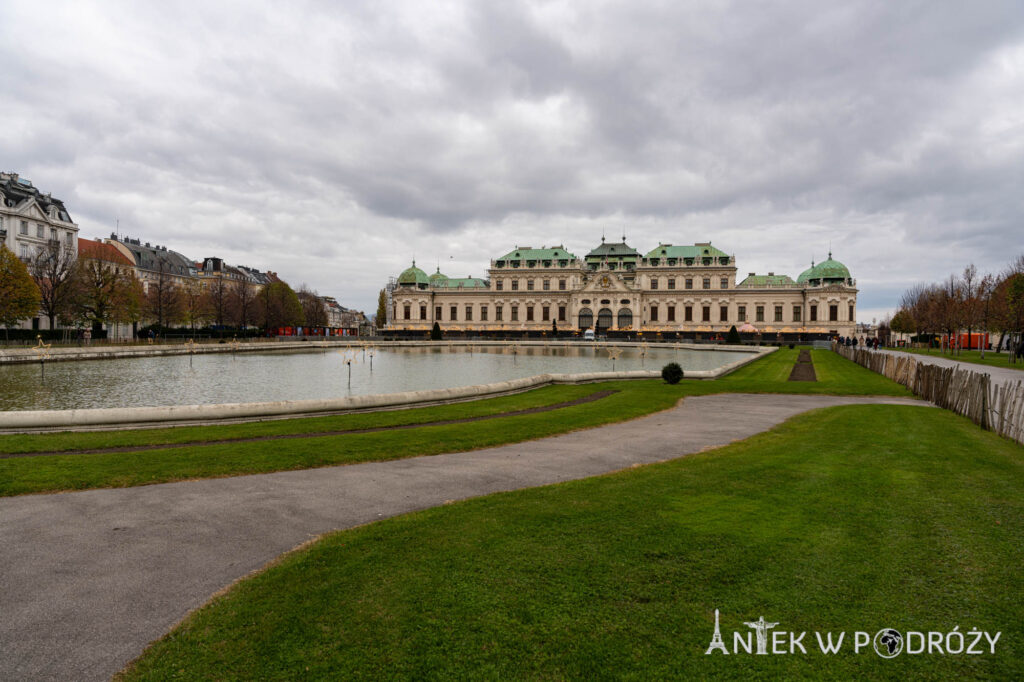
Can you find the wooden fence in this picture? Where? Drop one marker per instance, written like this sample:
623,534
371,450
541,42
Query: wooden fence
971,394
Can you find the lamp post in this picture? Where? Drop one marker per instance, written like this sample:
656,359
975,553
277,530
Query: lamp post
42,351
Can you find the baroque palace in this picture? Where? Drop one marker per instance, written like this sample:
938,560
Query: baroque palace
681,291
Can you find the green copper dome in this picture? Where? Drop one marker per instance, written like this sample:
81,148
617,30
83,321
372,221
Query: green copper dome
414,276
438,278
827,272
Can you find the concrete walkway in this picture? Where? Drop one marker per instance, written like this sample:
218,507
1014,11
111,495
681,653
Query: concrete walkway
88,579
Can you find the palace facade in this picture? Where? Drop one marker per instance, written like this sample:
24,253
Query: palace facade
675,290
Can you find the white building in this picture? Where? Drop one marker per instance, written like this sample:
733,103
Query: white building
31,221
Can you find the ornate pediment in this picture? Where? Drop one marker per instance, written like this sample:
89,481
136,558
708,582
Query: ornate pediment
606,282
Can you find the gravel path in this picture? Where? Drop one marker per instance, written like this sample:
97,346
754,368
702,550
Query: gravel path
88,579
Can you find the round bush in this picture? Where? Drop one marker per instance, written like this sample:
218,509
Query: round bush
672,373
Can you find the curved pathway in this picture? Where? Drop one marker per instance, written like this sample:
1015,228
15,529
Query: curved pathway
88,579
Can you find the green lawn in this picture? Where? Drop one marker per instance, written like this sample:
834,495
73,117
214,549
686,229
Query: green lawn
49,473
973,356
851,518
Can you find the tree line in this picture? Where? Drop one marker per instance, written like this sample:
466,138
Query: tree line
969,302
85,292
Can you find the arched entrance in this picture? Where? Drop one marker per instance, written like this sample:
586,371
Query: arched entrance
604,319
625,318
586,318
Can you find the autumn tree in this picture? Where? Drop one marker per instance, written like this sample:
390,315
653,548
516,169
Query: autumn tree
19,295
279,306
53,270
104,293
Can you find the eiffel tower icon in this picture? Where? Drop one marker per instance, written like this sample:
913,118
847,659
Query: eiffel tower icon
716,640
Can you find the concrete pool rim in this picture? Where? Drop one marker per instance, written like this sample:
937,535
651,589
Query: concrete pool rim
36,421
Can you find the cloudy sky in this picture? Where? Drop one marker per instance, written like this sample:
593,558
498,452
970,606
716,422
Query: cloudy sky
333,142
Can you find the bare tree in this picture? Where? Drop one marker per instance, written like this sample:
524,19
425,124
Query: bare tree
243,304
313,308
163,300
53,270
970,307
195,304
219,299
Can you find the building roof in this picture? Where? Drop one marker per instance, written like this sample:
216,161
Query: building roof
698,250
16,189
157,258
95,250
464,282
612,250
827,271
766,281
413,275
527,254
438,277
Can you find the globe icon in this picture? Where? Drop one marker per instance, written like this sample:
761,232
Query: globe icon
888,643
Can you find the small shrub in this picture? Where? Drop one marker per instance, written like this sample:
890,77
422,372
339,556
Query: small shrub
792,346
435,332
733,337
672,373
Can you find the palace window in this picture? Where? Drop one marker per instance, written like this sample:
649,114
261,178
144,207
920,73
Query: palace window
499,284
423,312
529,313
688,313
741,313
561,285
625,318
483,313
814,313
725,282
778,313
547,285
689,283
408,312
497,313
437,312
53,234
833,313
454,313
515,313
723,313
706,314
545,313
24,254
654,282
671,315
24,227
851,312
654,313
469,313
760,313
796,313
671,282
561,313
515,285
529,285
39,230
707,282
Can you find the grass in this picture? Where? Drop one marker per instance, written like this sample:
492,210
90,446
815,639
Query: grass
851,518
992,359
222,457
